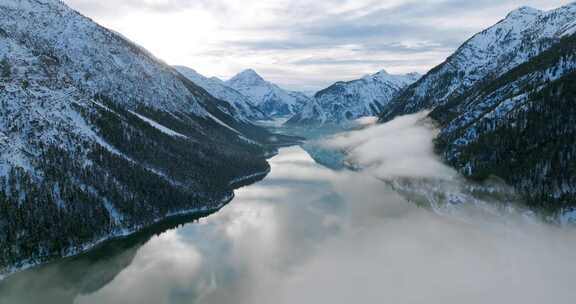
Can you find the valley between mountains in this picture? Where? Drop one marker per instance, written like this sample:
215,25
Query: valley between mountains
100,139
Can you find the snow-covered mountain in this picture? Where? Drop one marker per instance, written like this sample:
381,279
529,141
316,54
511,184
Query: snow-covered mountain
522,35
270,98
505,106
98,138
345,101
520,127
243,107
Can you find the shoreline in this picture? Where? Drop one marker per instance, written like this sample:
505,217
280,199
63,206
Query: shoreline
121,234
128,232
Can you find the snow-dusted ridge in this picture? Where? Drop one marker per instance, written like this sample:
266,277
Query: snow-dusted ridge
519,127
344,102
522,35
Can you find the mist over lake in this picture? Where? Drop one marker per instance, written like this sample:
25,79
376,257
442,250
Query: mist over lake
311,234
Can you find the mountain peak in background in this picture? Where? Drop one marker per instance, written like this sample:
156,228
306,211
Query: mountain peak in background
243,108
382,72
349,100
247,77
269,97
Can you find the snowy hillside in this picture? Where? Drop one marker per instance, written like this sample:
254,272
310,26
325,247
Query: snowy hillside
270,98
522,35
345,101
243,107
98,138
520,127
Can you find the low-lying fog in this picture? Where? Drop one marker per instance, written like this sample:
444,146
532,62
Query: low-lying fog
308,234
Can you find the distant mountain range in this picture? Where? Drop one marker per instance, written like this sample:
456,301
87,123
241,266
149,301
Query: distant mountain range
350,100
252,97
244,109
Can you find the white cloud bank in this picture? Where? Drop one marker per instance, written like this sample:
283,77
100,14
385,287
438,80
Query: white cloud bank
401,148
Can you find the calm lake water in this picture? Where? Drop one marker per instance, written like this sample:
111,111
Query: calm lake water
309,234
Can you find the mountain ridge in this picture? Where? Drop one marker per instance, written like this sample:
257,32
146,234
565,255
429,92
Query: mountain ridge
345,101
522,35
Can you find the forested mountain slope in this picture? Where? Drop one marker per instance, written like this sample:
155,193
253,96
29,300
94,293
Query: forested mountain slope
521,127
99,138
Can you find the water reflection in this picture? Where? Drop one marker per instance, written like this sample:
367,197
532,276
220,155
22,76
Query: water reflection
62,281
264,232
307,234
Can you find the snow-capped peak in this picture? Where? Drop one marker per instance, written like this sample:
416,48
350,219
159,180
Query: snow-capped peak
522,35
524,11
270,98
382,72
244,109
247,77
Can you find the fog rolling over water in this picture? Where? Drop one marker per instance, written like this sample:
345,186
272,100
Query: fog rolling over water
308,234
400,148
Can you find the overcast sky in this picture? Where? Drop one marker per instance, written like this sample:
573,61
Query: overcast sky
302,44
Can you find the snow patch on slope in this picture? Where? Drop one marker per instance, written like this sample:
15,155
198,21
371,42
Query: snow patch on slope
158,126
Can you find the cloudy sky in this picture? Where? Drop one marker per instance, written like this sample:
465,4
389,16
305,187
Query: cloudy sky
302,44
